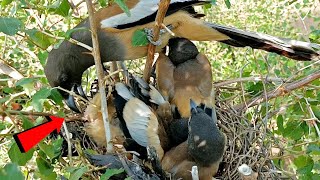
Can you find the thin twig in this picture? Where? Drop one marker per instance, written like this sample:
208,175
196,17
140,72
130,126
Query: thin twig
162,10
97,60
245,79
279,91
68,142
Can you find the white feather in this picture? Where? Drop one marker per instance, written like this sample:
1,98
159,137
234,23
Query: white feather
155,96
142,9
123,91
137,116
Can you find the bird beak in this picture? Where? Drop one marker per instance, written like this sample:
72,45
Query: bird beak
193,106
71,101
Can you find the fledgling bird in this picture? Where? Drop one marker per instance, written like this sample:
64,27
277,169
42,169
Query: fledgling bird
95,127
183,75
66,64
204,148
140,120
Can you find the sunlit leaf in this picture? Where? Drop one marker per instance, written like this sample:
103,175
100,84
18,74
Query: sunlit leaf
40,39
5,2
10,26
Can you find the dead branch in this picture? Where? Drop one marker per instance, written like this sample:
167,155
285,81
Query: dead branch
6,69
280,91
163,7
97,60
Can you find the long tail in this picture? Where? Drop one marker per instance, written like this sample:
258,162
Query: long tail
293,49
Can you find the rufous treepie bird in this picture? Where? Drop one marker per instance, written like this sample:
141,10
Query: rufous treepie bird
66,64
204,148
183,75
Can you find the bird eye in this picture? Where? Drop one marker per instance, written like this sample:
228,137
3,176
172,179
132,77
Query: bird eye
63,78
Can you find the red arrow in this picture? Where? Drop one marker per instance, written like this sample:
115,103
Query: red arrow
31,137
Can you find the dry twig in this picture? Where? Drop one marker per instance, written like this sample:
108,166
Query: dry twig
97,60
162,10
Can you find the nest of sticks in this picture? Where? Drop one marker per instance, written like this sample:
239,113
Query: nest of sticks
247,144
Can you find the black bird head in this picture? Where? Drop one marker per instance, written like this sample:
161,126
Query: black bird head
181,50
206,144
66,64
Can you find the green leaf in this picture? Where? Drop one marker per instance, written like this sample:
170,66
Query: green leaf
44,166
103,3
304,164
51,150
11,171
39,98
10,26
78,173
24,81
314,149
293,130
280,123
314,36
316,111
111,172
227,2
16,156
70,31
40,39
139,38
43,57
6,2
123,6
56,97
60,7
4,99
26,123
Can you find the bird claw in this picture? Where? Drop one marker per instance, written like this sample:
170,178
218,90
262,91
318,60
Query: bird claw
150,35
71,101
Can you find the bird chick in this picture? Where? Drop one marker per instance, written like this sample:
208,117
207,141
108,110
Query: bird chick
204,147
183,75
95,127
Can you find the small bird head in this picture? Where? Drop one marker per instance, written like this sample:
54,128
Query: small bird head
181,50
206,144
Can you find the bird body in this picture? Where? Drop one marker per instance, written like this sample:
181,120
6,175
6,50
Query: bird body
66,64
183,75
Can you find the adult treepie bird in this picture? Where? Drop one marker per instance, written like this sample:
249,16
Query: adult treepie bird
66,64
185,74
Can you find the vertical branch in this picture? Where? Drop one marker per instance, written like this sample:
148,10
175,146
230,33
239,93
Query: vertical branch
97,60
163,7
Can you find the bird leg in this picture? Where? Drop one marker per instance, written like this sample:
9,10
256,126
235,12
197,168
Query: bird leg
150,34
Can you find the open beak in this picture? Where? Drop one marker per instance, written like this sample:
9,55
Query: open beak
70,101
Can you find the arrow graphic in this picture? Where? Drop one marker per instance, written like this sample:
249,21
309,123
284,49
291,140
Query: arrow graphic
29,138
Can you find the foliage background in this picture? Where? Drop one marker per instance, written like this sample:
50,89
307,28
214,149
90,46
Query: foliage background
293,119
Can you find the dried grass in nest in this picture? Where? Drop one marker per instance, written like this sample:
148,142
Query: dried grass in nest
248,143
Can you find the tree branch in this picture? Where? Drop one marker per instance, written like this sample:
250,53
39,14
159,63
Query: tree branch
280,91
97,60
163,7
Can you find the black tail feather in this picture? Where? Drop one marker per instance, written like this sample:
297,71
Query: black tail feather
293,49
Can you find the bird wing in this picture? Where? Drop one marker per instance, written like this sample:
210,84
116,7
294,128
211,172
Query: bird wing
164,72
142,124
141,12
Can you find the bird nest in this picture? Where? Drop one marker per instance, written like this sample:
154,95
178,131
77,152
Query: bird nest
247,144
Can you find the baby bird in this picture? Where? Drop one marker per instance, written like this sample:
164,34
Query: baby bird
204,148
183,75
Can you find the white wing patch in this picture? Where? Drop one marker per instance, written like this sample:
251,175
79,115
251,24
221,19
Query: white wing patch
123,91
138,119
142,9
156,96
